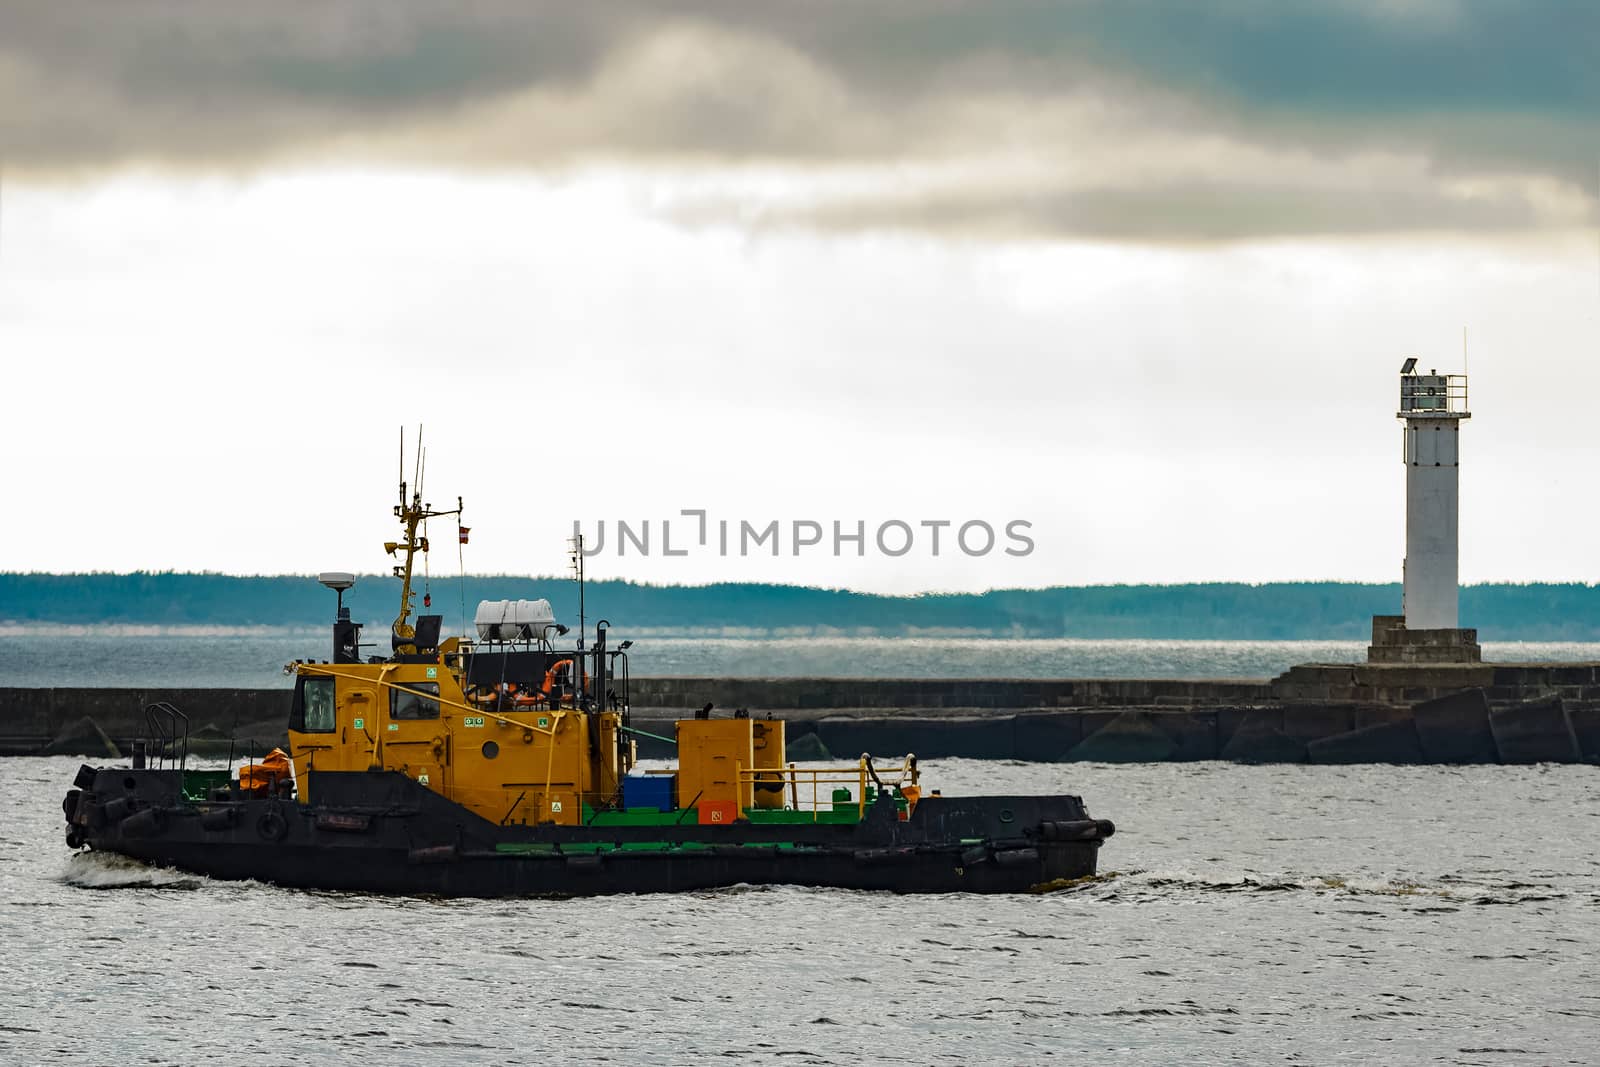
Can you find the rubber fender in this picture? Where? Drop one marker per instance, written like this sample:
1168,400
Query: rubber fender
591,861
85,777
69,803
1016,857
1074,830
150,822
74,839
91,813
975,855
1107,827
215,819
119,808
272,826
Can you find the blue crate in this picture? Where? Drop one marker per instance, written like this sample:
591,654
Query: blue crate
649,791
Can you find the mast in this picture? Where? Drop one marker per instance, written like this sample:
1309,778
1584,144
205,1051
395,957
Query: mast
411,514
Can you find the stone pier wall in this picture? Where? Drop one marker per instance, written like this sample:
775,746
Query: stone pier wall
1386,713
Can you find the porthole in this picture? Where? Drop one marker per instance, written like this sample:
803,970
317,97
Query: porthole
490,750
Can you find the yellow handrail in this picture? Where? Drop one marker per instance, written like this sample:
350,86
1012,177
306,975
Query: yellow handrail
817,777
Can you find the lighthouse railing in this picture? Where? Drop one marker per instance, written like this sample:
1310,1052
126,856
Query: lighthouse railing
1433,393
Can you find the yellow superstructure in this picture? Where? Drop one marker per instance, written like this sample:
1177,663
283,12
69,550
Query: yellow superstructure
542,764
510,727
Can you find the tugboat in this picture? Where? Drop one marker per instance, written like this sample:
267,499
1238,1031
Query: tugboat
505,766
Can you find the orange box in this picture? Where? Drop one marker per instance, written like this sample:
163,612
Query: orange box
717,812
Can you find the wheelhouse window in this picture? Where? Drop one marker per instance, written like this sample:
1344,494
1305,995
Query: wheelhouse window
414,700
312,710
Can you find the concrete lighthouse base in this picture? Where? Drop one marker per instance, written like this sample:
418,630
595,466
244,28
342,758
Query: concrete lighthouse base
1393,642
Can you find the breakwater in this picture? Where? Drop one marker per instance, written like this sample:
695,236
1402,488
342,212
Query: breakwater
1322,713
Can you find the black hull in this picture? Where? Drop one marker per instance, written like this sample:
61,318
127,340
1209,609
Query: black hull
382,833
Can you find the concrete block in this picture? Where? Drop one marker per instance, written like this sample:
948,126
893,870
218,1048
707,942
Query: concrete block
1193,732
82,738
1310,721
1093,720
1377,715
1389,742
1230,719
808,747
1259,738
1046,736
1537,731
1586,728
1455,728
1132,737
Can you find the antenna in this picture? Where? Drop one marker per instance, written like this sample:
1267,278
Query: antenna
402,466
416,468
576,547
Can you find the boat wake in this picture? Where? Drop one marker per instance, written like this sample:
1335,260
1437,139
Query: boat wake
105,870
1149,885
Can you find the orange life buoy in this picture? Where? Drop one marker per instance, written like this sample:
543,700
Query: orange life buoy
550,675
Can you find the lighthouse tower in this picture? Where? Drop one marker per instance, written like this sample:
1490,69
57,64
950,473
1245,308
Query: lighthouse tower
1433,406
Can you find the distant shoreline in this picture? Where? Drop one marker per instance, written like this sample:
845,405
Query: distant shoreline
1279,611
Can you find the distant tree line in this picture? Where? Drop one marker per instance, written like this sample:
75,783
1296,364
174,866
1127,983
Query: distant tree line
1279,610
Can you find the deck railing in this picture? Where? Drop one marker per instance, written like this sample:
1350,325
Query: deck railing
863,773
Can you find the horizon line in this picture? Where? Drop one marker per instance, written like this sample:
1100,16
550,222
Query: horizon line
641,583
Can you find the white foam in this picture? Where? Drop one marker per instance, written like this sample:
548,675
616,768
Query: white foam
105,870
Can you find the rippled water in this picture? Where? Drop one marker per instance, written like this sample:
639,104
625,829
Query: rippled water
152,656
1300,914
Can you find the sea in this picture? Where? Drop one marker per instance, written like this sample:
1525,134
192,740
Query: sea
1242,915
253,657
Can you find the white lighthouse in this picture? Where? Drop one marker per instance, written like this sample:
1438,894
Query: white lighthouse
1433,406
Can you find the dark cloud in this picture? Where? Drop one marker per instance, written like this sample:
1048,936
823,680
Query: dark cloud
1478,91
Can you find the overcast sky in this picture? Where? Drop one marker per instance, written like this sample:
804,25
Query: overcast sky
1140,275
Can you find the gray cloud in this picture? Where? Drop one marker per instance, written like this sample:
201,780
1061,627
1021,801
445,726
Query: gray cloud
1152,120
1195,212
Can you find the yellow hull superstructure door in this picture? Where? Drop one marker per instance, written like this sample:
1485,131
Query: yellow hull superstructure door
414,739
